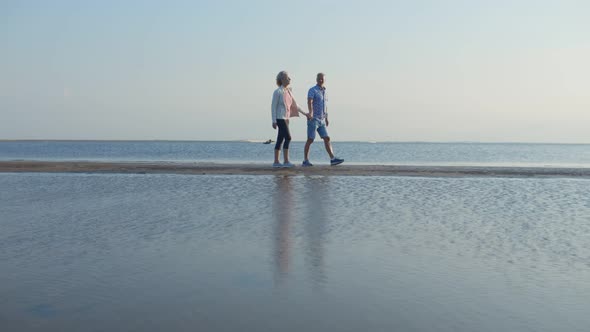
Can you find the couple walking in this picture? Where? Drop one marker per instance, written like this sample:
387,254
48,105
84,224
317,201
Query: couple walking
284,107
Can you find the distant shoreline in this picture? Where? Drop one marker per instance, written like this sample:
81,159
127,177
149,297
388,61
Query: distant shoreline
259,169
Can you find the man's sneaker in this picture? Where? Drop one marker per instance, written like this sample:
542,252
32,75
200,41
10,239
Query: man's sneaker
277,165
336,161
306,163
288,164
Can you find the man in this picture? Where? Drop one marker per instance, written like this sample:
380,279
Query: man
317,120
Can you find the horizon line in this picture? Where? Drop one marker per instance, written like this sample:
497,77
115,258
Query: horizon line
260,141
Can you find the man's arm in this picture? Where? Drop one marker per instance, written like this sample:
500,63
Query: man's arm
309,108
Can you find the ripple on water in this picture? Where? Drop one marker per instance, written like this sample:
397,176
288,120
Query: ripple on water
468,252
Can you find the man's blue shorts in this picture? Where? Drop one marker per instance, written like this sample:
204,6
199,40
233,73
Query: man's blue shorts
318,125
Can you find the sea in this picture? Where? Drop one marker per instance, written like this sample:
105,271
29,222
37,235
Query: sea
154,252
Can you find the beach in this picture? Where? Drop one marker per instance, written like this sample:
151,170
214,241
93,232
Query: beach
264,169
143,184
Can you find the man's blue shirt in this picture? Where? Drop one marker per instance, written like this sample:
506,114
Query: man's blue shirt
320,100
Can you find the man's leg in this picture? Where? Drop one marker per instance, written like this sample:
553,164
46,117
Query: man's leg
328,146
311,128
306,149
323,131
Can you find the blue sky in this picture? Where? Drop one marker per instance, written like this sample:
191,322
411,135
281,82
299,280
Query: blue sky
396,70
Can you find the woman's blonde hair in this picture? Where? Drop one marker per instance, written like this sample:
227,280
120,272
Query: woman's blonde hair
281,76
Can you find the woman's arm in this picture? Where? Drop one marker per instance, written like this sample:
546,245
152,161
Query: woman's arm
295,104
274,107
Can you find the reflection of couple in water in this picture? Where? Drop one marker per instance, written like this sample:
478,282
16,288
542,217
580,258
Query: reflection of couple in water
314,197
284,106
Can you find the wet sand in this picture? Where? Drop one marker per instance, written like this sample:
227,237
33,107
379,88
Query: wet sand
259,169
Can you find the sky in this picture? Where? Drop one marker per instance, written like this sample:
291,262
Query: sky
437,71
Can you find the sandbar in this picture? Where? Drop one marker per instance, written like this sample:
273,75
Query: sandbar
263,169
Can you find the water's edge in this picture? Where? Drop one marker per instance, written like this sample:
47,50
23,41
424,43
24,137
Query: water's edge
261,169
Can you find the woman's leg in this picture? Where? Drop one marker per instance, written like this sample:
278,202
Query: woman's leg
280,138
287,142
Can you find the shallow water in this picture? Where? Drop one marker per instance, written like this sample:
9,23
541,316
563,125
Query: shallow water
172,252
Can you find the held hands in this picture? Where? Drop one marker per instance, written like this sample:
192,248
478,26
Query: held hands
327,122
274,125
309,116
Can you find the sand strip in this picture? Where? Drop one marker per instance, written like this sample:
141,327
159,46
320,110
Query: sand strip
258,169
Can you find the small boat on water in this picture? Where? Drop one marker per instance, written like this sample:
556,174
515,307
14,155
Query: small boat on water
268,141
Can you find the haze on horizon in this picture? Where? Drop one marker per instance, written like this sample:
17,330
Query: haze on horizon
490,71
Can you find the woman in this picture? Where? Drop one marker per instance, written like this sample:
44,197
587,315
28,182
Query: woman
283,106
